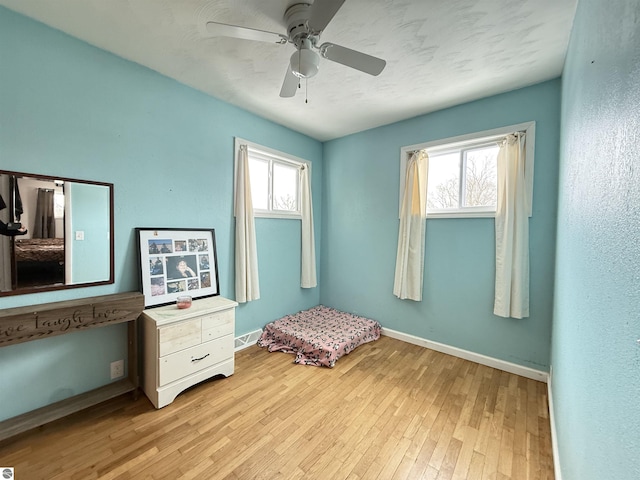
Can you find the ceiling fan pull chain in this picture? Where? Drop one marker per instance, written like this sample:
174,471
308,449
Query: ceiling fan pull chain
306,90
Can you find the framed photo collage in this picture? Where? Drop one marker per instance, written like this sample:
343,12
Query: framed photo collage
175,262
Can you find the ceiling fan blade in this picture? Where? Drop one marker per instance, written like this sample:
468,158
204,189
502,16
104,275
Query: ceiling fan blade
321,12
290,84
224,30
352,58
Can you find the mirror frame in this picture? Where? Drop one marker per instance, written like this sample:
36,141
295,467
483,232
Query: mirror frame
52,287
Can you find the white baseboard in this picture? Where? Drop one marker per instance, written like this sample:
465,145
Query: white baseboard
554,434
514,368
247,340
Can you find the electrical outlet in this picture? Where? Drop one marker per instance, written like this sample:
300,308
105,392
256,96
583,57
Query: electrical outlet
117,369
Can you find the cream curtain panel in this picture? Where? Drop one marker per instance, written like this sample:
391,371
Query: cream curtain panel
308,253
247,283
512,230
413,220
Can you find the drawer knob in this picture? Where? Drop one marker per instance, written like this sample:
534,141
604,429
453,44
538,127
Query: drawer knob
201,358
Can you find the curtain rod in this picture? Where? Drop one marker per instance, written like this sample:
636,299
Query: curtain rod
471,143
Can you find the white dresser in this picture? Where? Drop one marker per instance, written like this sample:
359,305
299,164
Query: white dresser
183,347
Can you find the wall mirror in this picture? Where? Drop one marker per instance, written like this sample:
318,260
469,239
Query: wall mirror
55,233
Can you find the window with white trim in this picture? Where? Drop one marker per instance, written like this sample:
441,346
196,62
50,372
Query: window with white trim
462,175
275,181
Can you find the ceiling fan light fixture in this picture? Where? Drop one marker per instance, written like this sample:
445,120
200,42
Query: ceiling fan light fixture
305,63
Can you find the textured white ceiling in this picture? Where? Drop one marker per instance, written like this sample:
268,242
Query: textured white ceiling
439,53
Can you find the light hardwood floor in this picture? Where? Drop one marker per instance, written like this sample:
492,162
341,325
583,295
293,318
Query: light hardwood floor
389,410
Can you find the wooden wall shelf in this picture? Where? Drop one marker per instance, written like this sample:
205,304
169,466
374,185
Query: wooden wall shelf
24,324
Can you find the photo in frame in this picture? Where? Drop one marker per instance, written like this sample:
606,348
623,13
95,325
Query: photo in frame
176,262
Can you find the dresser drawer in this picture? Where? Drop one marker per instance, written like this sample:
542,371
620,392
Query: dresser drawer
173,338
217,325
183,363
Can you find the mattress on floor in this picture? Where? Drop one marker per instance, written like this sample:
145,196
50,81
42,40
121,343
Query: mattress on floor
319,336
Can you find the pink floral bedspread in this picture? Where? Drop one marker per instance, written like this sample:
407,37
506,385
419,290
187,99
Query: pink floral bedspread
319,336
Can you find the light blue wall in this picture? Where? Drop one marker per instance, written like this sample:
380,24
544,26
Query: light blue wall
360,233
595,354
72,110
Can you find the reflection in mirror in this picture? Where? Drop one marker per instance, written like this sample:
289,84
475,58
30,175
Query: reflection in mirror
55,233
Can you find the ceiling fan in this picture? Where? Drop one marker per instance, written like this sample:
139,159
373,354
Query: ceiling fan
305,22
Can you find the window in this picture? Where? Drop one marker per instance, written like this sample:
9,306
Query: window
462,178
275,181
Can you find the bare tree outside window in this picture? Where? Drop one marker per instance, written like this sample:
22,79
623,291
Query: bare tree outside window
445,195
285,187
479,179
443,188
286,202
